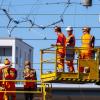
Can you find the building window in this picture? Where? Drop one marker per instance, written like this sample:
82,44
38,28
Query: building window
17,50
25,56
20,58
30,54
5,52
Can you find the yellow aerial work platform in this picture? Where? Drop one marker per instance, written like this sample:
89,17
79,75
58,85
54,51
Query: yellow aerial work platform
49,74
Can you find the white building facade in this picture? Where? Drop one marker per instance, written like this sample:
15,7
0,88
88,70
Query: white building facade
17,51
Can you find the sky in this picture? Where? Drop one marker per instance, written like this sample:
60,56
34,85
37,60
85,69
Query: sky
42,13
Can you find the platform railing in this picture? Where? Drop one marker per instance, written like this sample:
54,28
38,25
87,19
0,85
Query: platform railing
40,90
50,60
53,60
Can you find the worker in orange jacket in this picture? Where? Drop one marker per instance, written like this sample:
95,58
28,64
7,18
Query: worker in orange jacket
70,44
29,74
9,74
60,44
87,45
1,88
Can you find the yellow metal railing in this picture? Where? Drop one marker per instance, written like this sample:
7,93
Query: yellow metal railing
49,60
41,90
53,60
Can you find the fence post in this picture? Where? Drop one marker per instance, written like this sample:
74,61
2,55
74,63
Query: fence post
44,92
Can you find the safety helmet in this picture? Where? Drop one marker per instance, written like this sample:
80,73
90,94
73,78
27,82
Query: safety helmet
7,62
27,63
57,28
69,28
87,28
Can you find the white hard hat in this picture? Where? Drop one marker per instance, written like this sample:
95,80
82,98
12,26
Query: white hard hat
69,28
86,28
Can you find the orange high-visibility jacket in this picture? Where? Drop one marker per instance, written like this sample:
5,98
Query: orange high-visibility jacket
70,41
86,43
10,74
1,93
70,44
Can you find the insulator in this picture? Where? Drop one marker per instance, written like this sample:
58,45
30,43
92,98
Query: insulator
87,3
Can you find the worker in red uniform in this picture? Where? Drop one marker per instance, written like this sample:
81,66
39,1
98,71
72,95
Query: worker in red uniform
29,74
1,88
60,43
9,74
70,44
